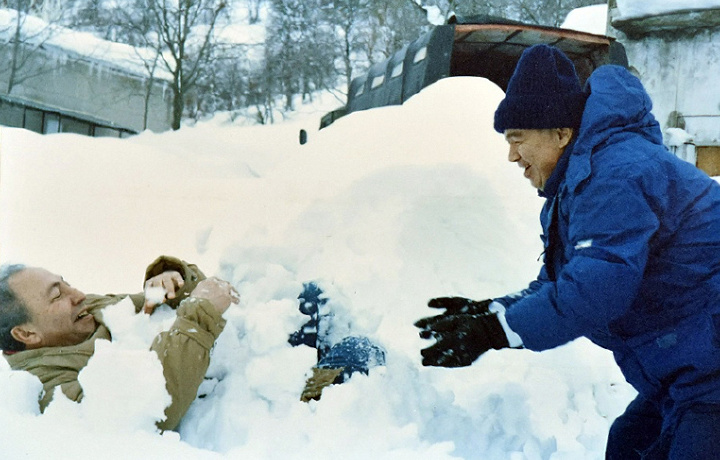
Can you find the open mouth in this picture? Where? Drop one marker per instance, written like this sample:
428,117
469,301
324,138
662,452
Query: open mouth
83,314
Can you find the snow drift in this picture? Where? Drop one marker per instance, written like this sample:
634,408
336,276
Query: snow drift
384,210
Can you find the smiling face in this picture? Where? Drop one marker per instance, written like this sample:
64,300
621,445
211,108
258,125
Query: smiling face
537,151
58,314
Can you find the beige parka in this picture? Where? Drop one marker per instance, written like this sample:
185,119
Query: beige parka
184,349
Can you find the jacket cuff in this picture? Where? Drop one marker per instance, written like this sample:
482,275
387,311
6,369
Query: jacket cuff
512,337
198,319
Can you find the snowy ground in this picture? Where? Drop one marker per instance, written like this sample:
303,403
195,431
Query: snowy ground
385,209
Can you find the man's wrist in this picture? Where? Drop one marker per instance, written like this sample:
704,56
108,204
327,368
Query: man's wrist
512,337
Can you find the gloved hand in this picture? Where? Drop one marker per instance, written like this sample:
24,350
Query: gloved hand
458,305
463,332
453,306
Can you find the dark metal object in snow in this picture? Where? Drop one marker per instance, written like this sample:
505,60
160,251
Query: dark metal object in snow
479,46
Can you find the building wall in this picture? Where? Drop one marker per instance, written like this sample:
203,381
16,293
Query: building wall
677,57
87,89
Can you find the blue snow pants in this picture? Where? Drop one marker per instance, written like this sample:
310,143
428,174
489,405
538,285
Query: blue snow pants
638,434
353,354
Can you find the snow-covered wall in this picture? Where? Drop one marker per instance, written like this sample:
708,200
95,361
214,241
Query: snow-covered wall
88,90
676,54
37,32
78,74
629,9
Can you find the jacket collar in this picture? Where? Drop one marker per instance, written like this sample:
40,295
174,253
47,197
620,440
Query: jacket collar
558,174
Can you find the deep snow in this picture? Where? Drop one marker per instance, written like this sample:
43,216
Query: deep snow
385,209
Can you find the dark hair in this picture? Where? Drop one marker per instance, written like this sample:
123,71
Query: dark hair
13,311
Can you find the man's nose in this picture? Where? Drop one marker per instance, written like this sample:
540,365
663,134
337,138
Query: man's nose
77,296
513,155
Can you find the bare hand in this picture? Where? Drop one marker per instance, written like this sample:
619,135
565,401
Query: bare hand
220,293
160,288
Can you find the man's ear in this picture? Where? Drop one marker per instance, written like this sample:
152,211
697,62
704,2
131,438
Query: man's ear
24,333
565,135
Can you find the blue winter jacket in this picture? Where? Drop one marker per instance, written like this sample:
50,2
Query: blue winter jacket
632,251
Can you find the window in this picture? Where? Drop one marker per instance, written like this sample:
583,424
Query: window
33,120
377,81
397,70
102,131
51,124
420,55
11,115
71,125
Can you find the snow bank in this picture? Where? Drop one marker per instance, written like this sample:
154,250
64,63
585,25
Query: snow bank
630,9
675,137
384,209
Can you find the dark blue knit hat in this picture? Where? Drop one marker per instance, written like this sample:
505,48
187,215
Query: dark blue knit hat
544,92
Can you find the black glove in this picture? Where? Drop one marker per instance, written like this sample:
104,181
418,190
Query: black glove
460,337
457,305
453,306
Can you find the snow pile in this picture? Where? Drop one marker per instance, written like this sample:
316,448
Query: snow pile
384,210
630,9
591,19
675,137
434,15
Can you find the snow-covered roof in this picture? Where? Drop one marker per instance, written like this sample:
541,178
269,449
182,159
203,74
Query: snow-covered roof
637,19
119,56
591,19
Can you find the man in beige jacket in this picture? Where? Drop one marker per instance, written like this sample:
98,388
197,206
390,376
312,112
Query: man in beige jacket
49,328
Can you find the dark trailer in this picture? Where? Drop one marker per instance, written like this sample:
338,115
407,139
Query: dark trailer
476,46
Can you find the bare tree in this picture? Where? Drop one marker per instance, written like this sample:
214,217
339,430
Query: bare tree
184,30
298,50
349,17
393,24
25,43
542,12
254,7
150,63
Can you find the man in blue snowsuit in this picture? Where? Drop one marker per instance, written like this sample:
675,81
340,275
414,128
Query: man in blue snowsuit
631,261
